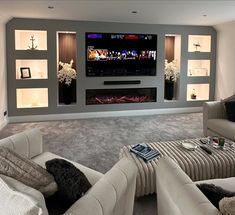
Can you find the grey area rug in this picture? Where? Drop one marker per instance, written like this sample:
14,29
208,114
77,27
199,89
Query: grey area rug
96,142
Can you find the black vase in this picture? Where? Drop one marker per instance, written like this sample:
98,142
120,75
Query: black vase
67,93
169,90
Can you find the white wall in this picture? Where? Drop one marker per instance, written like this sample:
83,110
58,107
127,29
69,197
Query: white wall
3,70
225,75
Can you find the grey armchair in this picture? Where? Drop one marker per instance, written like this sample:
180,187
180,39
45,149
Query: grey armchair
215,122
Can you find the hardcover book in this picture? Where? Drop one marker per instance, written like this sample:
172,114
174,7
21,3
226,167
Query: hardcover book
144,152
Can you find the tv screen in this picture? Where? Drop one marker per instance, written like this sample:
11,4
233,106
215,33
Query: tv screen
112,54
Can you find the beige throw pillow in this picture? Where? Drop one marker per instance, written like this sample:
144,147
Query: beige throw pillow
13,202
26,171
26,190
227,206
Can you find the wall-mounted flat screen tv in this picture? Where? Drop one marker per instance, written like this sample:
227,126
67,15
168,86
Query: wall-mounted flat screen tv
118,54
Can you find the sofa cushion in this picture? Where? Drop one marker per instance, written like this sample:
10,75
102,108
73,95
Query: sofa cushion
230,110
222,126
227,206
26,171
92,175
113,194
72,183
225,183
214,193
28,143
18,199
29,191
230,98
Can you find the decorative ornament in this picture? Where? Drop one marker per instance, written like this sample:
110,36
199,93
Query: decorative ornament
193,94
197,45
32,45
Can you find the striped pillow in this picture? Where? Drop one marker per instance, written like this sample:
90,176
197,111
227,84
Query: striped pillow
26,171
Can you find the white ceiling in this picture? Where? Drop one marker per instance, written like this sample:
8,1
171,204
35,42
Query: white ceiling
186,12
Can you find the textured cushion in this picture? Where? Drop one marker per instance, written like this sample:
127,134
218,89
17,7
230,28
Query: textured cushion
13,202
227,206
230,110
26,171
214,193
72,183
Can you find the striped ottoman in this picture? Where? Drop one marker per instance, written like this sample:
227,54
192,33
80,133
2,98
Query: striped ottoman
197,164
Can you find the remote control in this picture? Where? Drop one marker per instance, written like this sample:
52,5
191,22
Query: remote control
206,149
204,141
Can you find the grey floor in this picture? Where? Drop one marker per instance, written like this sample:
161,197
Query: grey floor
96,142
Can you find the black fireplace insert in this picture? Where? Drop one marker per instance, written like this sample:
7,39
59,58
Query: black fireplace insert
120,96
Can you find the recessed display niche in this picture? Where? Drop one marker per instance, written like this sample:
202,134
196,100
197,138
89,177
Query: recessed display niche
199,43
198,67
66,69
31,97
197,92
172,66
37,68
30,40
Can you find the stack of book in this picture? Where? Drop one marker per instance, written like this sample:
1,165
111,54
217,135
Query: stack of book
144,152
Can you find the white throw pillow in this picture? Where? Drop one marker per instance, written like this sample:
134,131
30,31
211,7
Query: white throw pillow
19,199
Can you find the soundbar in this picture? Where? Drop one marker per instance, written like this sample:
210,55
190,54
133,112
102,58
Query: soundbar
121,82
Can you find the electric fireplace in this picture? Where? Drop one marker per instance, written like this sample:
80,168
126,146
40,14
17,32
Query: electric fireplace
120,96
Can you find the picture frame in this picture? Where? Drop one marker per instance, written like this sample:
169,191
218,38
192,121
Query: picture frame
25,72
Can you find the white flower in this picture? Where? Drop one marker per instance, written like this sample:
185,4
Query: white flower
171,71
67,73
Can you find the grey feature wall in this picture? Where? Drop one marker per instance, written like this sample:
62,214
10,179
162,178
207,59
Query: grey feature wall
83,82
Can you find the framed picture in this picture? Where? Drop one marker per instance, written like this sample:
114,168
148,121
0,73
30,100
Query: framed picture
25,72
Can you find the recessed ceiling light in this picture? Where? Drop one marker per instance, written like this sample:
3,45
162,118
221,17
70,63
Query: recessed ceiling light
134,11
50,7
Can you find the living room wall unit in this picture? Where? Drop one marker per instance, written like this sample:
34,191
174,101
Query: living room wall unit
197,60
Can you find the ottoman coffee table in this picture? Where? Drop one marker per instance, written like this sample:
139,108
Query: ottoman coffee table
198,164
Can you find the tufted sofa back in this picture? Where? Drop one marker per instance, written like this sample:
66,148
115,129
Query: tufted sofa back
113,194
28,143
177,194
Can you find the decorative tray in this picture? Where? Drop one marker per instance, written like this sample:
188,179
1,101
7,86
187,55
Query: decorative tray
189,146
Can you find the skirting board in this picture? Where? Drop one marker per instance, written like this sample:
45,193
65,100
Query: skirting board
71,116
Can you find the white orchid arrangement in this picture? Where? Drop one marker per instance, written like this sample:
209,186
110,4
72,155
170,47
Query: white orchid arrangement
67,73
171,71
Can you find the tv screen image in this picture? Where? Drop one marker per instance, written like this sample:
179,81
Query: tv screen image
111,54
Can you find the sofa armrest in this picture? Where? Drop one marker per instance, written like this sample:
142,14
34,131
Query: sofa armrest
176,192
27,143
113,194
212,110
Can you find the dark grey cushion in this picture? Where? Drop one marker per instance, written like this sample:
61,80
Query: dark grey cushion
72,183
230,110
214,193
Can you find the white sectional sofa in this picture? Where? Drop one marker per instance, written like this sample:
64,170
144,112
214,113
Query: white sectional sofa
111,193
177,194
215,122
